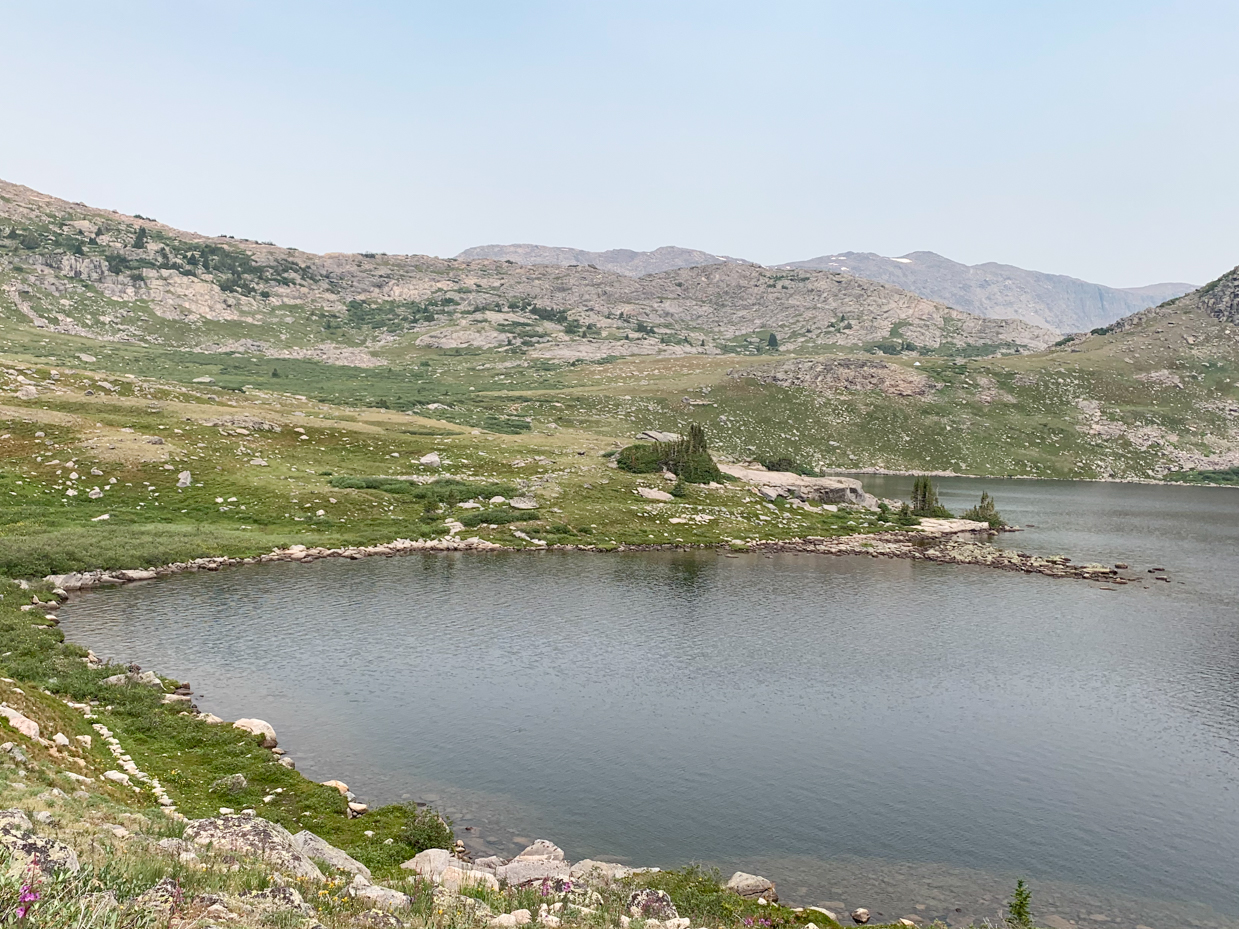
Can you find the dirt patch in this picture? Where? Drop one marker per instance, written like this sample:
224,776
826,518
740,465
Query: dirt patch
844,375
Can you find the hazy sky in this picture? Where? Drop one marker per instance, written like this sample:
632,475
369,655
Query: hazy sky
1098,139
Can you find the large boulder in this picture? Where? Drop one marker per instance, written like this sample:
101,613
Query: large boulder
19,721
275,900
458,876
256,837
542,850
751,887
314,847
429,864
590,871
27,849
648,903
522,871
376,896
259,727
160,900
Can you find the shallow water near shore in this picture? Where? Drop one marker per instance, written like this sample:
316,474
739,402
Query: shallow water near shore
904,736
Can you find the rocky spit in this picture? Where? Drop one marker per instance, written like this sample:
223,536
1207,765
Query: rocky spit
953,541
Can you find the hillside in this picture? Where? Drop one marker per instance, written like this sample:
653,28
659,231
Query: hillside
72,269
864,375
617,260
998,290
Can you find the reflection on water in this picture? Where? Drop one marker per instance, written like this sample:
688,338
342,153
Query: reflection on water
870,732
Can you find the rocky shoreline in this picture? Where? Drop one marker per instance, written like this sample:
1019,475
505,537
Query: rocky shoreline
940,544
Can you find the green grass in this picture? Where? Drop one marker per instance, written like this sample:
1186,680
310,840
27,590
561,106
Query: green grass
1228,477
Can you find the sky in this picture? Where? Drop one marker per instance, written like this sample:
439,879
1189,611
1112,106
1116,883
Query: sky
1096,139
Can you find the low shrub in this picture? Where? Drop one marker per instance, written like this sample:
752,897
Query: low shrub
984,512
424,828
789,464
688,458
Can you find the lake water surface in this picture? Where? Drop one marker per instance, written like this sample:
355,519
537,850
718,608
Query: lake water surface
909,737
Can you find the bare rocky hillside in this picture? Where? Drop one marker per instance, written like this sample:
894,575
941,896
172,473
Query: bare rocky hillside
97,273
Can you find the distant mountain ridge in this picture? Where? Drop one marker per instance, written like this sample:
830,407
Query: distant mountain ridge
995,290
623,261
992,290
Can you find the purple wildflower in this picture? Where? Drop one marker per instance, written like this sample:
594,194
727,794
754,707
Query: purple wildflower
25,899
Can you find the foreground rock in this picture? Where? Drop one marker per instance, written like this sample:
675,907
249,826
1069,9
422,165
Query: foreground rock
256,837
651,904
429,864
26,849
599,872
752,887
259,727
313,847
377,896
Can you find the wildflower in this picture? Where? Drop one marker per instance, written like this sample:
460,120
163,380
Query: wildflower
25,899
748,920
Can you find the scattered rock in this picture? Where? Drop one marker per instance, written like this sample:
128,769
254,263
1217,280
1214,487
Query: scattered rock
860,916
454,877
651,494
382,898
429,864
377,919
750,886
648,903
279,898
160,900
542,849
431,461
523,503
232,784
314,847
338,785
27,727
26,849
532,870
258,727
255,836
591,871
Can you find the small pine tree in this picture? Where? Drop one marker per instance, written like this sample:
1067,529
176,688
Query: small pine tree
139,241
1019,910
925,499
773,342
275,372
985,512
